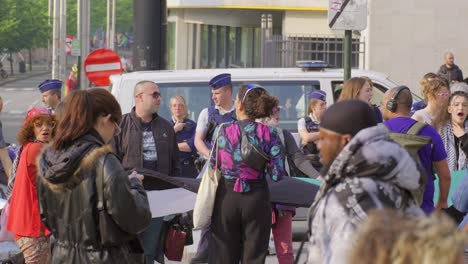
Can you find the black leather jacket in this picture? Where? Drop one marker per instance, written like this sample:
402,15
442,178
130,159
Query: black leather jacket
128,146
68,199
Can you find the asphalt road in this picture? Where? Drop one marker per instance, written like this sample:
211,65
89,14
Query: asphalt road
18,97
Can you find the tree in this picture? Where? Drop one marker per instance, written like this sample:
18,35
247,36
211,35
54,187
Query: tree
124,16
8,24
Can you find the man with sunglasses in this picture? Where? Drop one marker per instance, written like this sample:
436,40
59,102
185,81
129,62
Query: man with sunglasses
148,141
222,111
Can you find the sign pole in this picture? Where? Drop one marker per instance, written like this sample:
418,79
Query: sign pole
347,52
347,15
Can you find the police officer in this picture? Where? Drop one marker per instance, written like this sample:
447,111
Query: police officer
222,111
308,127
185,134
51,91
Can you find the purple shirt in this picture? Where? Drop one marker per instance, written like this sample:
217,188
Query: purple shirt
428,154
229,157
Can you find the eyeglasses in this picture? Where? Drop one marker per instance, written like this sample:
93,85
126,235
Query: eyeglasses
49,124
155,95
443,94
249,87
117,129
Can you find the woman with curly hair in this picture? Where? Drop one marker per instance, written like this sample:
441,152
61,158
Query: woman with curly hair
436,93
241,219
24,220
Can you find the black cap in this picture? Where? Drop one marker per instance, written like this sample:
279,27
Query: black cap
348,117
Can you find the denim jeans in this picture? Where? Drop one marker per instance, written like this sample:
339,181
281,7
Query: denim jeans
150,239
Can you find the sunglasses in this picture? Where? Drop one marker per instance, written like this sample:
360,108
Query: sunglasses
155,95
443,94
49,124
250,87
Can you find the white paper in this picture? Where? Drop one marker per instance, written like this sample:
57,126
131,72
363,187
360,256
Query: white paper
172,201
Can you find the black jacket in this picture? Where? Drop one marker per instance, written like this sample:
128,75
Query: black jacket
450,74
128,145
68,201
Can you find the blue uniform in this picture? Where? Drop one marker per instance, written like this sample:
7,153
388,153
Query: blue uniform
215,118
186,159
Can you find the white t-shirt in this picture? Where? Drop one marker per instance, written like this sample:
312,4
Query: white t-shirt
203,118
424,115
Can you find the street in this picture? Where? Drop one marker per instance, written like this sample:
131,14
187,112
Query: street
21,95
18,97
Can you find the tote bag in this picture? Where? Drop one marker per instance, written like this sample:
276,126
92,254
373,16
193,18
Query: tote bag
204,203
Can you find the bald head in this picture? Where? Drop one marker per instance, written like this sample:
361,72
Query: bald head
142,86
404,101
449,58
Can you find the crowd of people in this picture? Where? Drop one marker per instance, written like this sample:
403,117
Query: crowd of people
77,193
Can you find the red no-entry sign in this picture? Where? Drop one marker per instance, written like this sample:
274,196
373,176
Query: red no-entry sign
100,64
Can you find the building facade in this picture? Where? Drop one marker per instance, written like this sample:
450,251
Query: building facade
404,39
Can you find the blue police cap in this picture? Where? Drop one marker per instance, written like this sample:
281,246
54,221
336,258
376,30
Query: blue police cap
318,94
48,85
220,80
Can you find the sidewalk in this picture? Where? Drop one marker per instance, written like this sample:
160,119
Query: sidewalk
36,70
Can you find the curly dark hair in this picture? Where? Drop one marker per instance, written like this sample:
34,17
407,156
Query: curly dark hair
26,132
258,103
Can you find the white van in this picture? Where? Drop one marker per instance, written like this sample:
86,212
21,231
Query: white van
290,85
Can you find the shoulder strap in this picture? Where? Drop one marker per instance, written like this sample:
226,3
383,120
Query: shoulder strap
100,185
416,128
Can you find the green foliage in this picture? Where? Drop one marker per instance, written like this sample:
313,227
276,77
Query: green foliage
123,21
24,23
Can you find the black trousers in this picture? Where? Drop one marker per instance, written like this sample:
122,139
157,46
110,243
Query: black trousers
240,224
188,169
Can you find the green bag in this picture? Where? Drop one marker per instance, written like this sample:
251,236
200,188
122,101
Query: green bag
413,143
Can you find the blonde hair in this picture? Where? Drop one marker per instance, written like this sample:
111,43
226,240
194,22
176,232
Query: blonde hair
312,103
352,87
430,86
388,237
180,99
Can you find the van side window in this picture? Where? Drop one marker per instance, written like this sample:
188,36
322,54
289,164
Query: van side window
292,96
378,92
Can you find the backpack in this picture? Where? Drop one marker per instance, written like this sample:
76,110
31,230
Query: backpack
412,142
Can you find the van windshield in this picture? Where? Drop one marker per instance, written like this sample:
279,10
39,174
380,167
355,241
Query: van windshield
198,96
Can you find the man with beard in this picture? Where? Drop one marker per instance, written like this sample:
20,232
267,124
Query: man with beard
365,170
449,70
148,141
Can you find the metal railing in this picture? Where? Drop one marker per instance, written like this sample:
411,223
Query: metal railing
284,51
